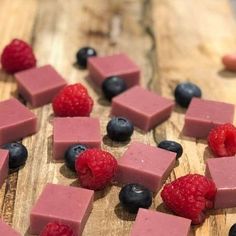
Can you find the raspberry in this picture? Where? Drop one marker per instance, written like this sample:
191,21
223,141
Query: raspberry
17,56
189,196
95,168
222,140
73,100
57,229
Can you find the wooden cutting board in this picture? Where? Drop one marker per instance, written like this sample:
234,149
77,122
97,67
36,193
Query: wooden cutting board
171,40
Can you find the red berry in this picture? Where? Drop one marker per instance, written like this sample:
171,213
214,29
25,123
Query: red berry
73,100
17,56
229,61
95,168
57,229
189,196
222,140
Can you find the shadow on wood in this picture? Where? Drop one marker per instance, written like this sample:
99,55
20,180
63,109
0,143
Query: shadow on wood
6,77
102,193
207,154
66,172
27,233
122,214
226,74
179,109
49,149
107,141
161,207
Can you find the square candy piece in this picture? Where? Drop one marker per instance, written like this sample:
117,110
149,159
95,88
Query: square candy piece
203,115
144,108
75,130
39,86
16,121
120,65
222,172
6,230
146,165
4,159
69,205
153,223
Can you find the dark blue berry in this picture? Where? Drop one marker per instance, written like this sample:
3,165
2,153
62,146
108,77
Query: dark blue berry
17,154
83,54
119,129
72,153
232,231
112,86
184,92
172,146
135,196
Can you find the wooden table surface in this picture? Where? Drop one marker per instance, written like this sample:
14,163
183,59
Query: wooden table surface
171,40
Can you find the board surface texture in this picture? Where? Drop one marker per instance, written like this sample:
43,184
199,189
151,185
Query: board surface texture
171,41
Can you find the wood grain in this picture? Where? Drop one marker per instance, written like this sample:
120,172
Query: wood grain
58,30
18,26
171,40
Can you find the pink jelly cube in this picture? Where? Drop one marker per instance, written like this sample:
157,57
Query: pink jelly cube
16,121
153,223
65,204
39,86
222,172
144,108
6,230
4,159
203,115
146,165
75,130
120,65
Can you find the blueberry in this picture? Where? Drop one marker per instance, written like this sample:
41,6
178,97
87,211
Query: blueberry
112,86
232,231
17,154
135,196
184,92
72,153
83,54
172,146
119,129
